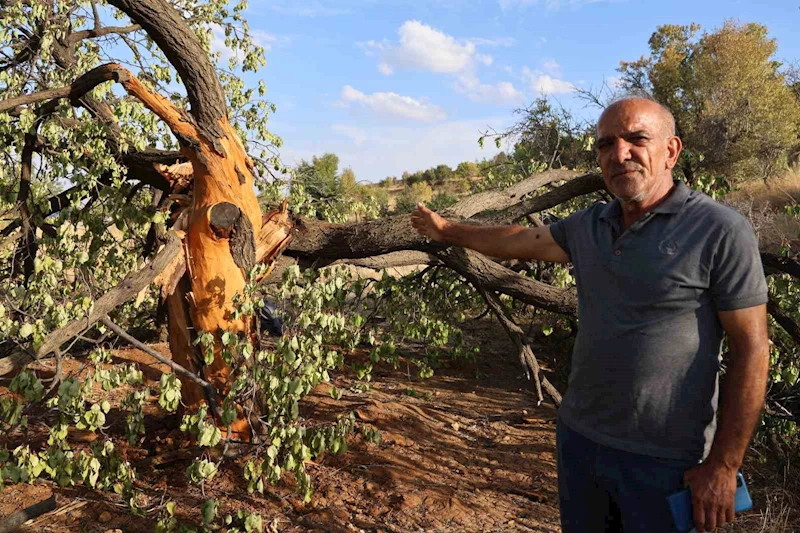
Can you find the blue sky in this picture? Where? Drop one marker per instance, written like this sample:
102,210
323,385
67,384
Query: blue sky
407,84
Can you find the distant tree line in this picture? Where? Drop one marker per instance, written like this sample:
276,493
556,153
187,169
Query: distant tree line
736,108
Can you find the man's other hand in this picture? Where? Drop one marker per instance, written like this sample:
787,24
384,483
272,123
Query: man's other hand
428,223
713,487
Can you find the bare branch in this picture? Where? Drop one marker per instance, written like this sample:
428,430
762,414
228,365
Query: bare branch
96,15
78,88
785,265
526,355
785,321
15,520
320,240
101,32
211,393
480,270
577,187
29,249
475,203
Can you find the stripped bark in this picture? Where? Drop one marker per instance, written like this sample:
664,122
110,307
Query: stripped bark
391,260
181,341
165,25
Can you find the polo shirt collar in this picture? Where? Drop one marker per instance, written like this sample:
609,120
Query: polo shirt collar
675,200
611,211
673,204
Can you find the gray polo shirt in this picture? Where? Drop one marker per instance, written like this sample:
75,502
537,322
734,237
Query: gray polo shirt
646,358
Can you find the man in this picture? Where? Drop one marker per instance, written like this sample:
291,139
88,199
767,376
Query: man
662,271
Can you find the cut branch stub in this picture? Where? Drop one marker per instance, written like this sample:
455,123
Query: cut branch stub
223,217
228,222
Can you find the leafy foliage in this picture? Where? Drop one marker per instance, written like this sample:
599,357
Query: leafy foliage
733,107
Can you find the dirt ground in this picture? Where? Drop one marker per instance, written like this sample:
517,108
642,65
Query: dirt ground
467,450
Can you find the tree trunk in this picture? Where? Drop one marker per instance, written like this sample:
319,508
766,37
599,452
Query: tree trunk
225,220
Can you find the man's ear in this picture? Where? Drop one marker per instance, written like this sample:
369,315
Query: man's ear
674,148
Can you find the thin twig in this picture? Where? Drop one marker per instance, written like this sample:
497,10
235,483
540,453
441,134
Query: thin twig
211,393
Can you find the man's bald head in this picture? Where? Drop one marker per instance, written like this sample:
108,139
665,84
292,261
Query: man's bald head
667,120
637,150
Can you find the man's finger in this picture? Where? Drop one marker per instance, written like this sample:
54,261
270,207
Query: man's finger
722,517
698,513
711,519
422,208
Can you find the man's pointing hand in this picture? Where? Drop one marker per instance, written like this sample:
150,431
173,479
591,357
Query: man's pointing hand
428,223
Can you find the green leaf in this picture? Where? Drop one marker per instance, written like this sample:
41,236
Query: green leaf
253,523
208,355
209,510
26,330
229,338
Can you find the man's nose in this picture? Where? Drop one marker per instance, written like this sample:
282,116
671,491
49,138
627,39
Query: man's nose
621,151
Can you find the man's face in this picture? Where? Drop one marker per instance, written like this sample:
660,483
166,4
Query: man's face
635,150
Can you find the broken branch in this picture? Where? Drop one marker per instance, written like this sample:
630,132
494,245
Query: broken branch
211,393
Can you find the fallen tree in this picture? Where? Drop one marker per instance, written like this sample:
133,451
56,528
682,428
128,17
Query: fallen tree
209,244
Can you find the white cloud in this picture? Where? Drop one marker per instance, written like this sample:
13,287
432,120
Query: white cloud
551,66
392,104
426,48
484,59
372,48
545,84
356,134
501,93
423,47
500,41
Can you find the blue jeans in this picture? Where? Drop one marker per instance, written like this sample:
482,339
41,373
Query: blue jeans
605,490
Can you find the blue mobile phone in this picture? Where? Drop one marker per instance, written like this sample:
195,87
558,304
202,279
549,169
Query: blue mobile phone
680,504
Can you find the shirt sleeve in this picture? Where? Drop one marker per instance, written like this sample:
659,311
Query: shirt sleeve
737,277
560,232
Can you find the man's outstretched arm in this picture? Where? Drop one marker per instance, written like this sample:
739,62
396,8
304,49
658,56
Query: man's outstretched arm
506,242
713,483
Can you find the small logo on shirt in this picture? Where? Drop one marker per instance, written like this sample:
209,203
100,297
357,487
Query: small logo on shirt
668,247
